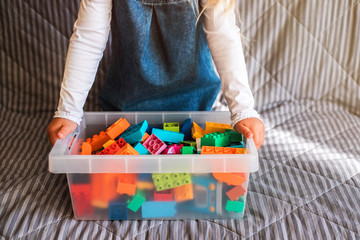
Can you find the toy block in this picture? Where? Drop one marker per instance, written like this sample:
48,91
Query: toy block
154,209
183,193
189,143
186,129
110,150
127,149
236,192
145,177
85,148
135,133
146,135
117,128
141,149
166,195
222,150
216,139
121,142
187,150
103,188
118,211
165,181
239,145
211,127
197,131
235,136
174,127
173,149
154,145
145,185
136,202
81,198
108,143
97,141
234,206
230,178
126,183
168,136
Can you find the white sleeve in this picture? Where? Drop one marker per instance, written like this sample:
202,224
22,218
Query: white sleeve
87,44
225,45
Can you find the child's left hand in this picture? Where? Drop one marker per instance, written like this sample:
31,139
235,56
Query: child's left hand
252,128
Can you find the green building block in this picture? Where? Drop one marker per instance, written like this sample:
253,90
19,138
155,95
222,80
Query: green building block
187,150
235,206
234,136
163,181
174,127
136,202
216,139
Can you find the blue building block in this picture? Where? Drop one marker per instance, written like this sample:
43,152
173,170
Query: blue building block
186,129
154,209
168,136
145,177
118,211
141,149
134,133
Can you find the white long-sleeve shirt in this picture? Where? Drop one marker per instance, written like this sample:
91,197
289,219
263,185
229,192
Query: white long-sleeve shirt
87,44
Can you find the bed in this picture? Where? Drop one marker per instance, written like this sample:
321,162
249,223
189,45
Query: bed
303,59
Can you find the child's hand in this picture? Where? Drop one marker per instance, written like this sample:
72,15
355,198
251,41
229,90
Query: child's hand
252,128
59,128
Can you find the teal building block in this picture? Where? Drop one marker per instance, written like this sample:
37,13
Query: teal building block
163,181
187,150
155,209
134,133
136,202
235,136
173,127
168,136
235,206
118,211
141,149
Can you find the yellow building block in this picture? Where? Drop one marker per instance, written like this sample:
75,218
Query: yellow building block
197,131
211,127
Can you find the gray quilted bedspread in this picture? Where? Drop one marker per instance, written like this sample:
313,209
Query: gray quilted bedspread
303,60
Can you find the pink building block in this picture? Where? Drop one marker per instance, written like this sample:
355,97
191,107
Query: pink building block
154,145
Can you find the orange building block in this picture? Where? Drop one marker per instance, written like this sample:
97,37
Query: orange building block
127,149
211,127
236,192
230,178
110,150
146,136
127,183
197,131
85,148
222,150
117,128
97,141
183,193
103,188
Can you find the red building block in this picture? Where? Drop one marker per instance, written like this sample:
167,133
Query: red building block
110,150
81,198
236,192
230,178
127,183
165,196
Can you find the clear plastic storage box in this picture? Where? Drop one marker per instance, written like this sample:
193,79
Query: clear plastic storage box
95,180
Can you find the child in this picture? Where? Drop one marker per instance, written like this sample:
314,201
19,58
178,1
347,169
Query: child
160,61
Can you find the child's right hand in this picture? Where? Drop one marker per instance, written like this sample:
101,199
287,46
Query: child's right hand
60,128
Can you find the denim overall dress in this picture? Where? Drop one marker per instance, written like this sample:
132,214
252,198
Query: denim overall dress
160,59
